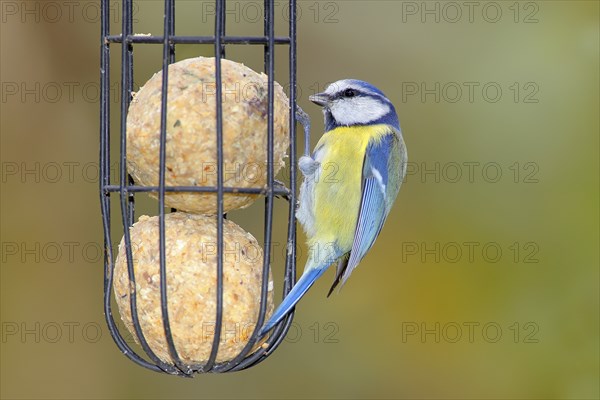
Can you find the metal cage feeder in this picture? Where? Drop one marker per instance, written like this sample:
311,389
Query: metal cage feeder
126,189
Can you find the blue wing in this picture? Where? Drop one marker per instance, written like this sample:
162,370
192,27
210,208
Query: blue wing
383,169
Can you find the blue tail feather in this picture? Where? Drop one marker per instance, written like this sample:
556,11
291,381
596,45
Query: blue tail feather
304,283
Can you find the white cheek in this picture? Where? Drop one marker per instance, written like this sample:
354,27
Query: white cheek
358,110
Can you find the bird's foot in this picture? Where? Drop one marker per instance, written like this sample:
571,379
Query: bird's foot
304,119
307,165
302,116
280,186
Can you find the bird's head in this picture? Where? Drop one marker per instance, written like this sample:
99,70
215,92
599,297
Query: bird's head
351,102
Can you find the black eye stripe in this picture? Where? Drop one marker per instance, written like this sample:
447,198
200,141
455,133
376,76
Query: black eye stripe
348,93
351,92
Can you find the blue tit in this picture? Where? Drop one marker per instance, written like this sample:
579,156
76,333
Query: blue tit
350,183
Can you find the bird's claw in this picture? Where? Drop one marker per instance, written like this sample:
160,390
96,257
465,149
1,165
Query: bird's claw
304,119
302,116
278,185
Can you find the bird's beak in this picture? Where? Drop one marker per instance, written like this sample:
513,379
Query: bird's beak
320,99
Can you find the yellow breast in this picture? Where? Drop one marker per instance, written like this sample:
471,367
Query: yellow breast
341,153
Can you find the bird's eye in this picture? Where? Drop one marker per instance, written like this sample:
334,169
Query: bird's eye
349,93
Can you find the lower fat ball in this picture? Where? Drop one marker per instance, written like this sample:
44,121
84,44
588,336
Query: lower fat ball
191,265
191,145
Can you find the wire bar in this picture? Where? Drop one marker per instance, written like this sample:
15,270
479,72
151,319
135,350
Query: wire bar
219,19
144,39
104,197
204,189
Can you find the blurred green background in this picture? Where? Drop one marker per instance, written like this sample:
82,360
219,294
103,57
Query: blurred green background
484,282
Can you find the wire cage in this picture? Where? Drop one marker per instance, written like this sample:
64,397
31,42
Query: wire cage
126,189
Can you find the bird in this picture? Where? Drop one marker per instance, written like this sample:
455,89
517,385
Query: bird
351,181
